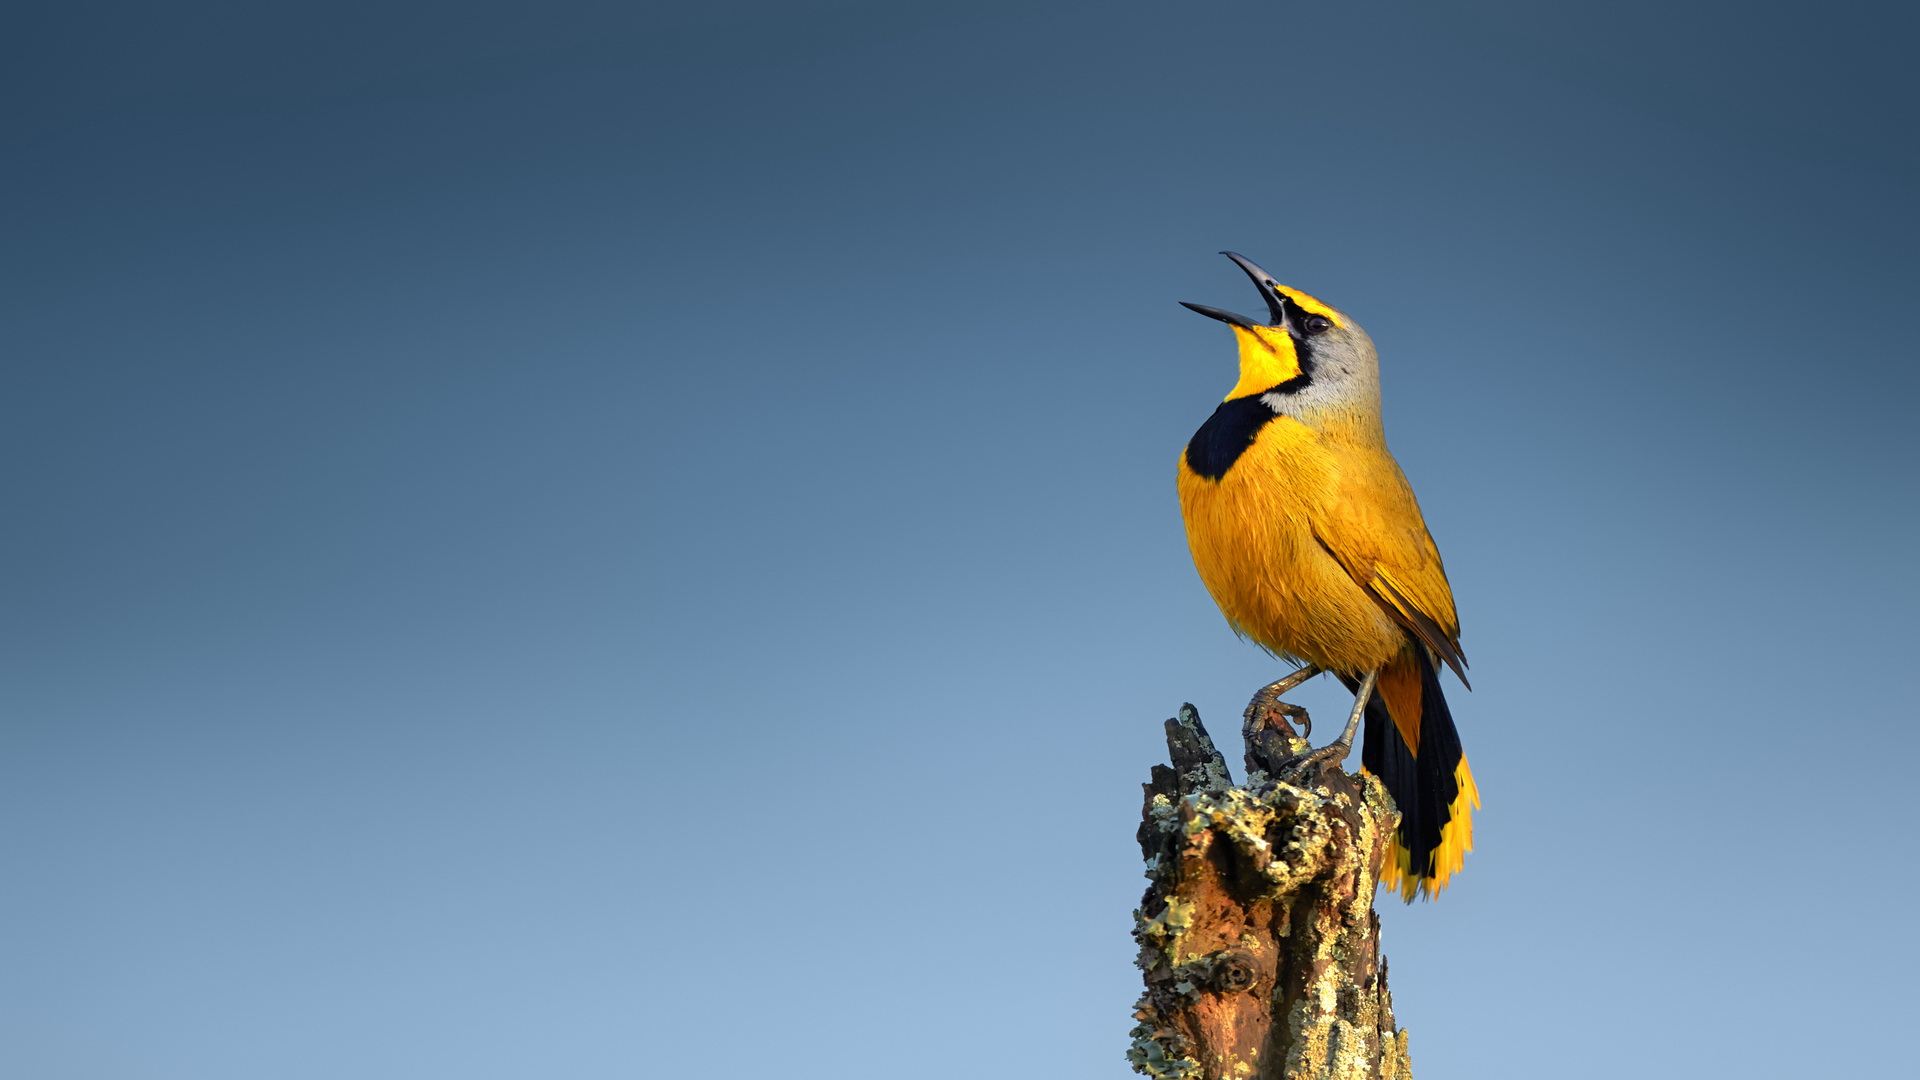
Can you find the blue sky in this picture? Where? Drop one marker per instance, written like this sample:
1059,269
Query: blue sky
596,541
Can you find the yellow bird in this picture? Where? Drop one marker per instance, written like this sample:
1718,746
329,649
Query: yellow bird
1306,533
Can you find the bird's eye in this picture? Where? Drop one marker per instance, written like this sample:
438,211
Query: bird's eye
1317,324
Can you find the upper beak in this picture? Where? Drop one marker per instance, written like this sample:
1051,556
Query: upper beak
1262,281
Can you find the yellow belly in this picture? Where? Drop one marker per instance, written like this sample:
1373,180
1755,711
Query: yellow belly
1252,537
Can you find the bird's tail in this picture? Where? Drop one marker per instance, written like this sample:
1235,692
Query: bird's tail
1412,746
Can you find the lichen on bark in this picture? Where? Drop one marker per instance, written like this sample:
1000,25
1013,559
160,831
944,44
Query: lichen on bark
1258,939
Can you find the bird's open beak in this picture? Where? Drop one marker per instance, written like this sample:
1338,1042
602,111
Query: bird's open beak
1262,281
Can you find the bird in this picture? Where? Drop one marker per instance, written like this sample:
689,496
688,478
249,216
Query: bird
1308,537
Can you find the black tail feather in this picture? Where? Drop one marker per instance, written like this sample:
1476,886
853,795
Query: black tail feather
1424,786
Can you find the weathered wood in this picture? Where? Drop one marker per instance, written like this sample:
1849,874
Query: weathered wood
1257,934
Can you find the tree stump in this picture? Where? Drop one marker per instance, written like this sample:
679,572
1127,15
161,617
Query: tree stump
1257,934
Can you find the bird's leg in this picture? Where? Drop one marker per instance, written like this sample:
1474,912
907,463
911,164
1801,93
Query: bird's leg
1336,751
1269,698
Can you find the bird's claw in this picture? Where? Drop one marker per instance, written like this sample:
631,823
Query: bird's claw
1267,702
1313,764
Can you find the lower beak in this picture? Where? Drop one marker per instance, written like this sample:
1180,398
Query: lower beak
1222,314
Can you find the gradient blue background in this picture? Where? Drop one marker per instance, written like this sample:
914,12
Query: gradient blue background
582,540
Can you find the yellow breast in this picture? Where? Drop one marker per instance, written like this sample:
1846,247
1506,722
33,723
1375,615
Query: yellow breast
1252,533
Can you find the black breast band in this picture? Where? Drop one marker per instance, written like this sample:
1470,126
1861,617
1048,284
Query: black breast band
1227,434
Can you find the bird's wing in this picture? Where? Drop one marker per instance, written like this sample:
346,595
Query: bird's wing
1375,531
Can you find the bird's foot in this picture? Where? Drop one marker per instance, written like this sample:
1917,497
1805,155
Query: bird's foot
1307,767
1268,701
1270,739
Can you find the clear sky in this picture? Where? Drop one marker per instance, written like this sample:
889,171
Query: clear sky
594,540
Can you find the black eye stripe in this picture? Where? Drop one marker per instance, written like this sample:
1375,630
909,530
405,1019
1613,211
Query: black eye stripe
1304,323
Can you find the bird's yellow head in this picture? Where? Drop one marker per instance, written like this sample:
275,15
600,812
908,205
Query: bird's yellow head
1309,353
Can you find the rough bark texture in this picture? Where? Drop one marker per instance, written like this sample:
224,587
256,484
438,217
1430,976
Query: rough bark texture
1257,935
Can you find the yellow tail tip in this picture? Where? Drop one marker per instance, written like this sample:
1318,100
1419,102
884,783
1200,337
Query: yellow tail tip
1456,839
